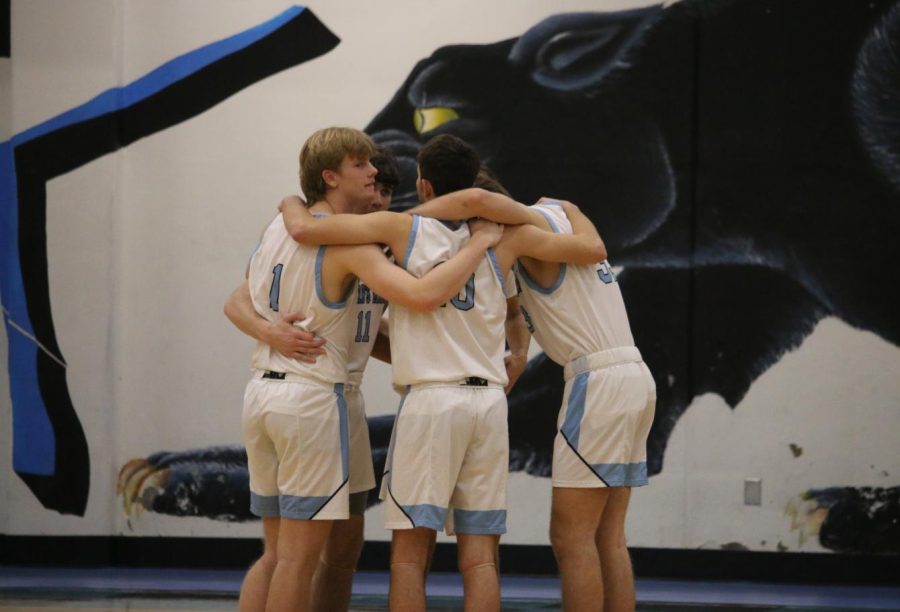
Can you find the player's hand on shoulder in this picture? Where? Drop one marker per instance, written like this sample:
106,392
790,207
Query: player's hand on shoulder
486,230
291,199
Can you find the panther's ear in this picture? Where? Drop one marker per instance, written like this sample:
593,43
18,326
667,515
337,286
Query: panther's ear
575,51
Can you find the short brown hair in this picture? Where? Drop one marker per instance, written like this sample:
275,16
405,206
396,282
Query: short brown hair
448,163
325,150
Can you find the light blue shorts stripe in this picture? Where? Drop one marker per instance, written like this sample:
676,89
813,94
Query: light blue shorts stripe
426,515
571,426
622,474
479,521
265,506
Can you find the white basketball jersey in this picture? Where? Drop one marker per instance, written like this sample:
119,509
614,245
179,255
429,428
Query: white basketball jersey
366,308
582,312
462,338
285,277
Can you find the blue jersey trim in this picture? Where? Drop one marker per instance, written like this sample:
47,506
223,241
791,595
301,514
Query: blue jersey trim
496,266
523,273
413,231
479,521
549,219
320,291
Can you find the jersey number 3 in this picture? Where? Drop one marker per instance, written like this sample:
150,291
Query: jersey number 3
605,273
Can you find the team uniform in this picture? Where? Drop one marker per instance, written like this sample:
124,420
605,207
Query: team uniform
450,445
610,396
295,418
366,309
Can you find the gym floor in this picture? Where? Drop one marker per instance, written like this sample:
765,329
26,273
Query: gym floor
48,589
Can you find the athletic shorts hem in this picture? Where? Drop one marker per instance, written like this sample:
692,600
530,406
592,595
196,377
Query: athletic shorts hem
265,513
596,483
322,516
407,525
480,531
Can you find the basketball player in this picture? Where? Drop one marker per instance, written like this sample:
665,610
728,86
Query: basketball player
333,580
454,398
295,420
577,315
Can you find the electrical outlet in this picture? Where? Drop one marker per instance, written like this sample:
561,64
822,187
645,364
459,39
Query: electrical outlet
753,491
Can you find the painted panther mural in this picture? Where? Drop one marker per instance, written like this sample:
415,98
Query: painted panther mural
741,160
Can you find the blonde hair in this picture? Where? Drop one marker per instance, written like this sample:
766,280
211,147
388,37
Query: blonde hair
325,150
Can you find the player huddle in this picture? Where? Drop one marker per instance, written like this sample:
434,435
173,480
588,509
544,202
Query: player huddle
456,334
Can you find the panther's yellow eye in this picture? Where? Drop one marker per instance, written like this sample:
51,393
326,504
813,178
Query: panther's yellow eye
427,119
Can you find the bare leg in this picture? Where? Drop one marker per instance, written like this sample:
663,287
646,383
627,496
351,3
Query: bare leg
478,564
615,563
255,587
574,519
300,544
409,558
333,582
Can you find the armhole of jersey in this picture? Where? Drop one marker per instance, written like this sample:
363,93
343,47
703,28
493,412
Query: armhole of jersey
413,231
320,291
492,256
523,273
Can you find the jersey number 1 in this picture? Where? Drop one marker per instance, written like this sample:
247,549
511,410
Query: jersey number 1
276,287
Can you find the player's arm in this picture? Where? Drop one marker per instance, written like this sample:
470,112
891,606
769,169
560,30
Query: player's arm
475,202
585,230
582,247
381,349
518,338
290,341
424,294
382,227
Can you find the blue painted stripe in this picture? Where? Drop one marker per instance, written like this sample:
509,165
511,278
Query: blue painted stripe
571,426
496,266
34,441
426,515
412,240
345,430
157,80
622,474
264,505
479,521
320,291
